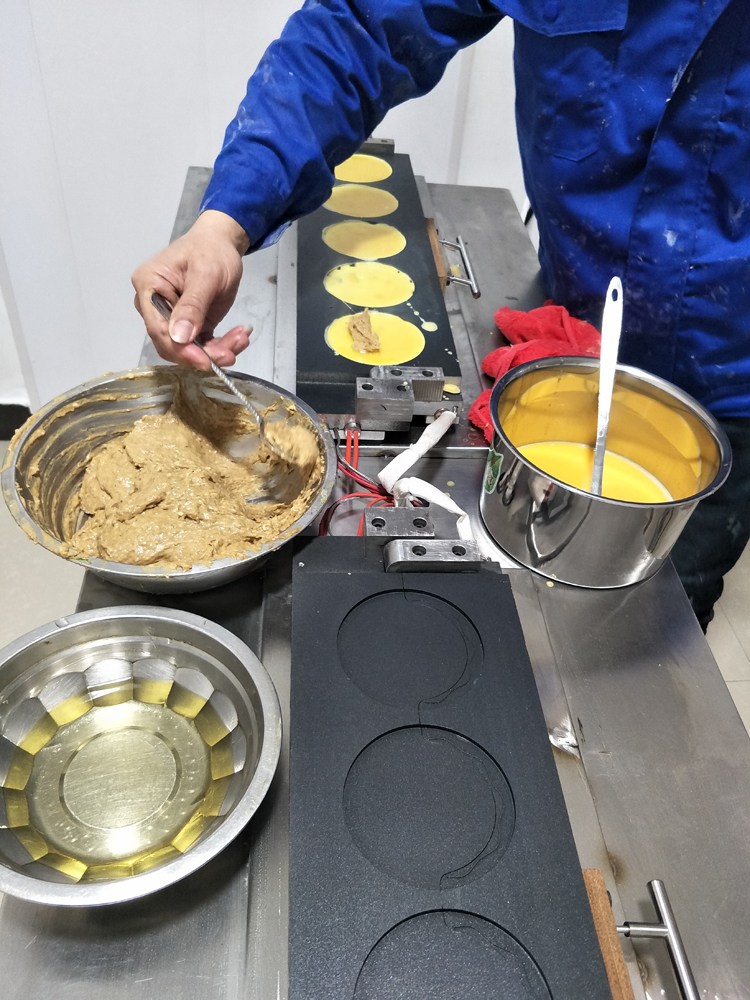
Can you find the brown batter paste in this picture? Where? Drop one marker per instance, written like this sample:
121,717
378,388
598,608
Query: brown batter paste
172,491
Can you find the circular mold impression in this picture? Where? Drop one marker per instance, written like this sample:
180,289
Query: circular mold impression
428,807
449,955
445,653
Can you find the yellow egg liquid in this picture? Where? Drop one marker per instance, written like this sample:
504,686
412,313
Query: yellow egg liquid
369,283
364,240
363,169
361,201
573,463
400,341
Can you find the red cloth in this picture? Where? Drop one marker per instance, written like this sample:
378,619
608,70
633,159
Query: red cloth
547,332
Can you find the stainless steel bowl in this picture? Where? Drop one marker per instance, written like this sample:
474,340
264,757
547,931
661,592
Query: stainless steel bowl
568,534
52,448
135,744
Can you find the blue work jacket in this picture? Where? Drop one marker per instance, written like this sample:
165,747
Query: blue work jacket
633,119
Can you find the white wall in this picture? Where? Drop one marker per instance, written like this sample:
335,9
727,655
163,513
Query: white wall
12,383
104,106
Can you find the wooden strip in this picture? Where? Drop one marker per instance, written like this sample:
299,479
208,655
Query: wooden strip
609,939
437,253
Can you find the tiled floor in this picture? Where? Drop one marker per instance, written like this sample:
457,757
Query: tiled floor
38,587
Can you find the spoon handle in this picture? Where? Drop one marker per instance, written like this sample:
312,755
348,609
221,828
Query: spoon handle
611,326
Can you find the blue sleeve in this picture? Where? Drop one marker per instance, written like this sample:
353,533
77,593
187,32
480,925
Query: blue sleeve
321,89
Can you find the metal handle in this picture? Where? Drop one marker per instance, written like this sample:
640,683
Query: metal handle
469,280
610,344
668,930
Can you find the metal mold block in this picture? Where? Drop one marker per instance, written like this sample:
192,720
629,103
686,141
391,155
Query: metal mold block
384,404
404,555
427,383
396,522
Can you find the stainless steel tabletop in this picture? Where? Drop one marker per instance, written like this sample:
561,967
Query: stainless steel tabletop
652,756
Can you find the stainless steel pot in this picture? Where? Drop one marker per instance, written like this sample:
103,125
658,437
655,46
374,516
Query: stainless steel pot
568,534
46,460
135,744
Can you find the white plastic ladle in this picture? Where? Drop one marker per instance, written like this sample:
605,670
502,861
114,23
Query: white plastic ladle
611,327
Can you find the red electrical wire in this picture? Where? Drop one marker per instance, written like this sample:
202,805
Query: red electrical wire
325,521
355,448
363,481
386,501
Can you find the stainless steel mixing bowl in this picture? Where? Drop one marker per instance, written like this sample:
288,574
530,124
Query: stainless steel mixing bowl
51,450
135,743
568,534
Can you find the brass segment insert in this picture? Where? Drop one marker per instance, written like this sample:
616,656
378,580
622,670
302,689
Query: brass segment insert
110,681
30,726
15,765
14,810
152,680
229,755
66,698
190,692
216,719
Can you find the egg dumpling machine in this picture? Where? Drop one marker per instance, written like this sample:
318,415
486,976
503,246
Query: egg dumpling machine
389,397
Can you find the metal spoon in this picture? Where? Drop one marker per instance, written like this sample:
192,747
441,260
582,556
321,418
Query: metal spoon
163,307
286,481
611,326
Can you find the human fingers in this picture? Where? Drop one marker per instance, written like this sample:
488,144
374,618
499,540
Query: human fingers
223,350
208,291
197,276
158,284
156,312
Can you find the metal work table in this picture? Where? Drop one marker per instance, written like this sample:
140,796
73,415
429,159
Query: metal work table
653,758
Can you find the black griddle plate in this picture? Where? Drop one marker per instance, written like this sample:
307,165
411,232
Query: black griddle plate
326,380
430,850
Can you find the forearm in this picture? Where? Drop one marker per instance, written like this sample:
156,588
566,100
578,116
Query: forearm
322,88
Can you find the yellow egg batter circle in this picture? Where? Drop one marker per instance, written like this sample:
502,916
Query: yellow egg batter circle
363,169
400,341
364,240
361,201
369,283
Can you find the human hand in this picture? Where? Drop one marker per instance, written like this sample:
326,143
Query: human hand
198,274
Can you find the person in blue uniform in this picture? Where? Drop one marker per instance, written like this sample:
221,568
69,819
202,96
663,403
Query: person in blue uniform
633,121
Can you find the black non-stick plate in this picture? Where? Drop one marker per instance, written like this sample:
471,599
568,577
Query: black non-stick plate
325,380
430,850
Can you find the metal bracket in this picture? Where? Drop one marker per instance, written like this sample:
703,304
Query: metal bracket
666,929
382,525
393,395
384,404
426,383
438,555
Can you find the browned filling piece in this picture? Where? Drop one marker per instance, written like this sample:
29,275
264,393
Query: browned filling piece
364,338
